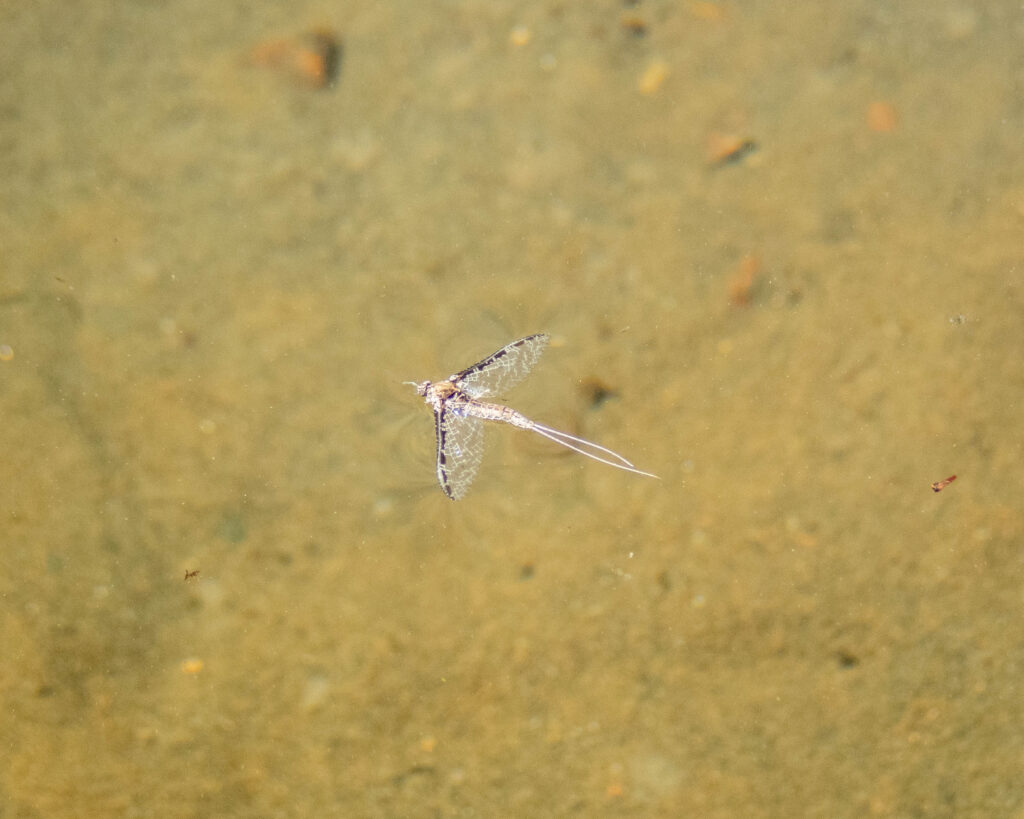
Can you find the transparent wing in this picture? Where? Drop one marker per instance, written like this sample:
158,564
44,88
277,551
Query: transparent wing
504,369
460,449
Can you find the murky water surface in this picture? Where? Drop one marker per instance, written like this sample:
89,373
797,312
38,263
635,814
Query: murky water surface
779,253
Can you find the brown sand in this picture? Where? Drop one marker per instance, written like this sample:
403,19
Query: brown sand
214,277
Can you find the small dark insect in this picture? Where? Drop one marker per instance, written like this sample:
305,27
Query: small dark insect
938,486
190,575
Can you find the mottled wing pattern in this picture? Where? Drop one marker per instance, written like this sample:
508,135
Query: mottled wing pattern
460,449
504,369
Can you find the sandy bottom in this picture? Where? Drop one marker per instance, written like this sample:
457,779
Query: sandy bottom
779,254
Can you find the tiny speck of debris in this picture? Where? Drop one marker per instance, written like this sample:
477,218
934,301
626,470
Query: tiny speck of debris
728,149
634,24
596,391
653,77
313,58
520,36
191,575
882,117
192,666
741,285
527,571
6,353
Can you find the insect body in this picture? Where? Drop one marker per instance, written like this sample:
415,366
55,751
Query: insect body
459,410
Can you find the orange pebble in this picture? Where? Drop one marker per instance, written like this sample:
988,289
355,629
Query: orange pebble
313,58
727,148
882,117
742,282
520,36
192,666
653,77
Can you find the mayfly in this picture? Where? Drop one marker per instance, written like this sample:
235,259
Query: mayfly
459,414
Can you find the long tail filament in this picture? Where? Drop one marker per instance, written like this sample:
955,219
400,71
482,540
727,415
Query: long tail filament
563,438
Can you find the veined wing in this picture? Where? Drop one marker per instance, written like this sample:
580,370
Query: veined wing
460,449
502,370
